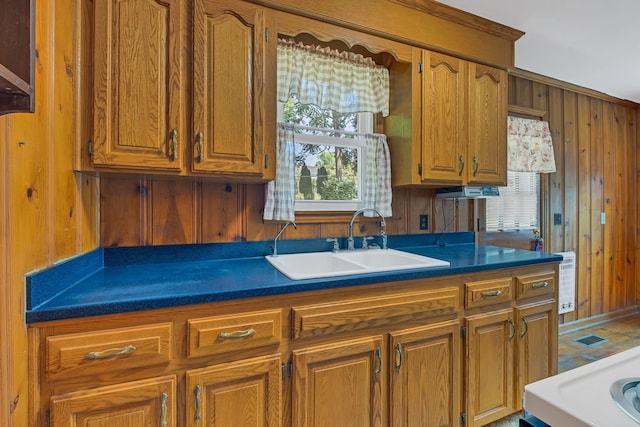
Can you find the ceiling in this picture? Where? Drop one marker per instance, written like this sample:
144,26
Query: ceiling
593,44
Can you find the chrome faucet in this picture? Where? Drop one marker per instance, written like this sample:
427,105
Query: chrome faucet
275,240
383,223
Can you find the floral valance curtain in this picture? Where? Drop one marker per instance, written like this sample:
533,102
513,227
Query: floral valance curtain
529,146
345,82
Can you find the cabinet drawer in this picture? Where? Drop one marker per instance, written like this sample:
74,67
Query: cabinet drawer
326,319
108,350
487,292
223,334
531,285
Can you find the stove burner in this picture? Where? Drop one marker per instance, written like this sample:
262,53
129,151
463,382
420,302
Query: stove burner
626,394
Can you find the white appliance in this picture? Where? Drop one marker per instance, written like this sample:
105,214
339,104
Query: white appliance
582,396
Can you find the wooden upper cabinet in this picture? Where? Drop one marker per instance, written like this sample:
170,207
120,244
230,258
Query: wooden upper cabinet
456,132
137,83
487,125
233,90
17,52
443,117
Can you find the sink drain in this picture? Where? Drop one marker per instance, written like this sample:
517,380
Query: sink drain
591,340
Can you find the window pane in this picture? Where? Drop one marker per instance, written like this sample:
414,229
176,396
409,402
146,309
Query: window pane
329,165
326,172
517,207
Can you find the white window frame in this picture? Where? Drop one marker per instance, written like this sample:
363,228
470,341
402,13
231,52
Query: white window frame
515,209
365,125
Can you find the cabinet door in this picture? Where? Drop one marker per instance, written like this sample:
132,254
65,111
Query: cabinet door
443,118
138,403
537,344
490,375
339,384
246,393
137,84
423,360
487,152
233,90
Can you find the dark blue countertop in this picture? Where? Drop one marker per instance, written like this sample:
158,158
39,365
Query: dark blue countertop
118,280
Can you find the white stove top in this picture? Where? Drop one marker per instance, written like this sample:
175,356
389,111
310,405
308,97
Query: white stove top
581,397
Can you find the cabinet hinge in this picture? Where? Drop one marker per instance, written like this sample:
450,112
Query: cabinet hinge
90,148
463,418
266,35
420,67
266,161
284,370
463,331
419,168
47,419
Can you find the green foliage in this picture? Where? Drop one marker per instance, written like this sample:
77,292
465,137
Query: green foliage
339,189
321,180
305,186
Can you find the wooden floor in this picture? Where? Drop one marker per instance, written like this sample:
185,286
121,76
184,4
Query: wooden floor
617,335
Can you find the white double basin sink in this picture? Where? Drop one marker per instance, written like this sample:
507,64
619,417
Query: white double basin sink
310,265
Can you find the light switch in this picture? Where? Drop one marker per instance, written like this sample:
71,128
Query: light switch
603,218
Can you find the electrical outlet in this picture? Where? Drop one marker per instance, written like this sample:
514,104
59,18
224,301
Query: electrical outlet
557,219
424,222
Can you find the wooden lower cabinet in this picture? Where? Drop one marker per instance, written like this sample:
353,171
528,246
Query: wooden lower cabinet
425,376
246,393
339,384
537,350
507,350
149,402
432,352
489,379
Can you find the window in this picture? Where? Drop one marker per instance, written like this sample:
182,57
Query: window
517,207
330,165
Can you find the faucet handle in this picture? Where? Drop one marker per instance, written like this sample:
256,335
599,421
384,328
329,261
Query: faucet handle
365,245
336,246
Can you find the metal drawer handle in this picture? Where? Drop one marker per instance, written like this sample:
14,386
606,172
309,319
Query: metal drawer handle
475,165
112,352
163,409
525,328
198,392
512,329
398,361
199,147
495,293
237,334
540,285
173,145
460,165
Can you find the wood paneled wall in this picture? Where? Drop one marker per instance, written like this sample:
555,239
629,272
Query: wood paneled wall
595,144
47,213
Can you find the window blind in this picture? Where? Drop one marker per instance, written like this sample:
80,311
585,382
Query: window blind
517,207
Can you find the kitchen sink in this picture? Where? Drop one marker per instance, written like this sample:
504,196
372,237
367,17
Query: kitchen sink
311,265
626,394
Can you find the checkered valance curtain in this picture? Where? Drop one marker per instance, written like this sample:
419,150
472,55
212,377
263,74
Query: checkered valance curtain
345,82
341,81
